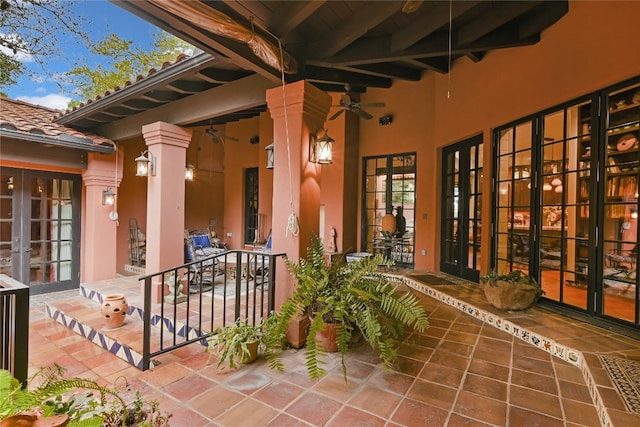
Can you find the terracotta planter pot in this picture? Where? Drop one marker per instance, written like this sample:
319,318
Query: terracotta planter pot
114,309
511,296
327,338
253,352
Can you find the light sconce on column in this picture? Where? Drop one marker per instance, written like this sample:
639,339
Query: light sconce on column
10,183
108,197
320,148
189,173
146,165
270,160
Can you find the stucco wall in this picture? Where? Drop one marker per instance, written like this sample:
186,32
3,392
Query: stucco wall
596,44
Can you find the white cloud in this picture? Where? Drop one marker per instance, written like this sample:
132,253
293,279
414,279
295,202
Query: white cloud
40,90
56,101
19,55
38,78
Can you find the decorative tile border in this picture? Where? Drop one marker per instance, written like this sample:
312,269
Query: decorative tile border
558,350
625,375
122,351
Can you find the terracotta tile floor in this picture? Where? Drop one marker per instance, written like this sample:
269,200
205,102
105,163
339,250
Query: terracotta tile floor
459,372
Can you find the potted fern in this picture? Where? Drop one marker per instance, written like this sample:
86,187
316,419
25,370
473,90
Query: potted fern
51,399
354,299
236,343
511,291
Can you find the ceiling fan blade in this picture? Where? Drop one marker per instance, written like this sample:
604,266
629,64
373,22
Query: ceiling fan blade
362,113
336,114
373,104
230,138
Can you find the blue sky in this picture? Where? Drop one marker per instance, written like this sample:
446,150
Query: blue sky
105,18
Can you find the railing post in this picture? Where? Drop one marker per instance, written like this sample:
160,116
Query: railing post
238,285
146,317
14,328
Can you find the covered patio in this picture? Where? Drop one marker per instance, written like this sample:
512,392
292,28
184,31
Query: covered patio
473,366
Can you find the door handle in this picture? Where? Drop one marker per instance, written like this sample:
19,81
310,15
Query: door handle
27,249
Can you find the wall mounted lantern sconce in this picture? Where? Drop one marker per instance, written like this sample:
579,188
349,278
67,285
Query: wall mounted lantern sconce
10,183
269,149
320,148
189,173
108,197
146,165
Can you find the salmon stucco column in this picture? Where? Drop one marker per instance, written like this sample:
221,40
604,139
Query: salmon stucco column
99,223
165,198
297,111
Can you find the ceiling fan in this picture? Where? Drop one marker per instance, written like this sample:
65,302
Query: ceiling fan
411,6
218,135
347,104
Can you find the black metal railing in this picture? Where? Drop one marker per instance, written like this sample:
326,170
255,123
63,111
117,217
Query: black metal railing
200,296
14,327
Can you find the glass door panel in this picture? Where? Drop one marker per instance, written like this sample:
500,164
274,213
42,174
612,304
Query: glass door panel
461,209
620,218
390,189
513,195
39,220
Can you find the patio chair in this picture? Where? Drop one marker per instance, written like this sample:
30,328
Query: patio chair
259,264
198,247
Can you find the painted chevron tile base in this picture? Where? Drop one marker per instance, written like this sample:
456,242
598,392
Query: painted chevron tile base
121,350
98,337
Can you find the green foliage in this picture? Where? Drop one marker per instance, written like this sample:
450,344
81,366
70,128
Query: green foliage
87,403
124,62
30,31
514,277
229,343
356,296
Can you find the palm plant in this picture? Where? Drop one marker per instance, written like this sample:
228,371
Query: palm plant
356,297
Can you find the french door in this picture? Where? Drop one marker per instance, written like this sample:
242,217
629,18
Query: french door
461,209
40,229
390,187
566,203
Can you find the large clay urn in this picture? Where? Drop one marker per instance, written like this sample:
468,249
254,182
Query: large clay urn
114,309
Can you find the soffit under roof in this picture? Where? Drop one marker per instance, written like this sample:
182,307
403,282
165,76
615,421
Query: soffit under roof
336,45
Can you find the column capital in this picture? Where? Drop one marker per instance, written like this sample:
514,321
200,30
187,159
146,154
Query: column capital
298,98
101,170
166,133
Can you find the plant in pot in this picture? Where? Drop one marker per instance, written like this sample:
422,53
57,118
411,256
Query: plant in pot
51,399
345,300
511,291
236,343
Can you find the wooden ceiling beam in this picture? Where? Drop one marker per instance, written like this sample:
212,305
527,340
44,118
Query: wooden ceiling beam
333,75
550,12
371,51
389,70
239,53
369,15
493,18
429,22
